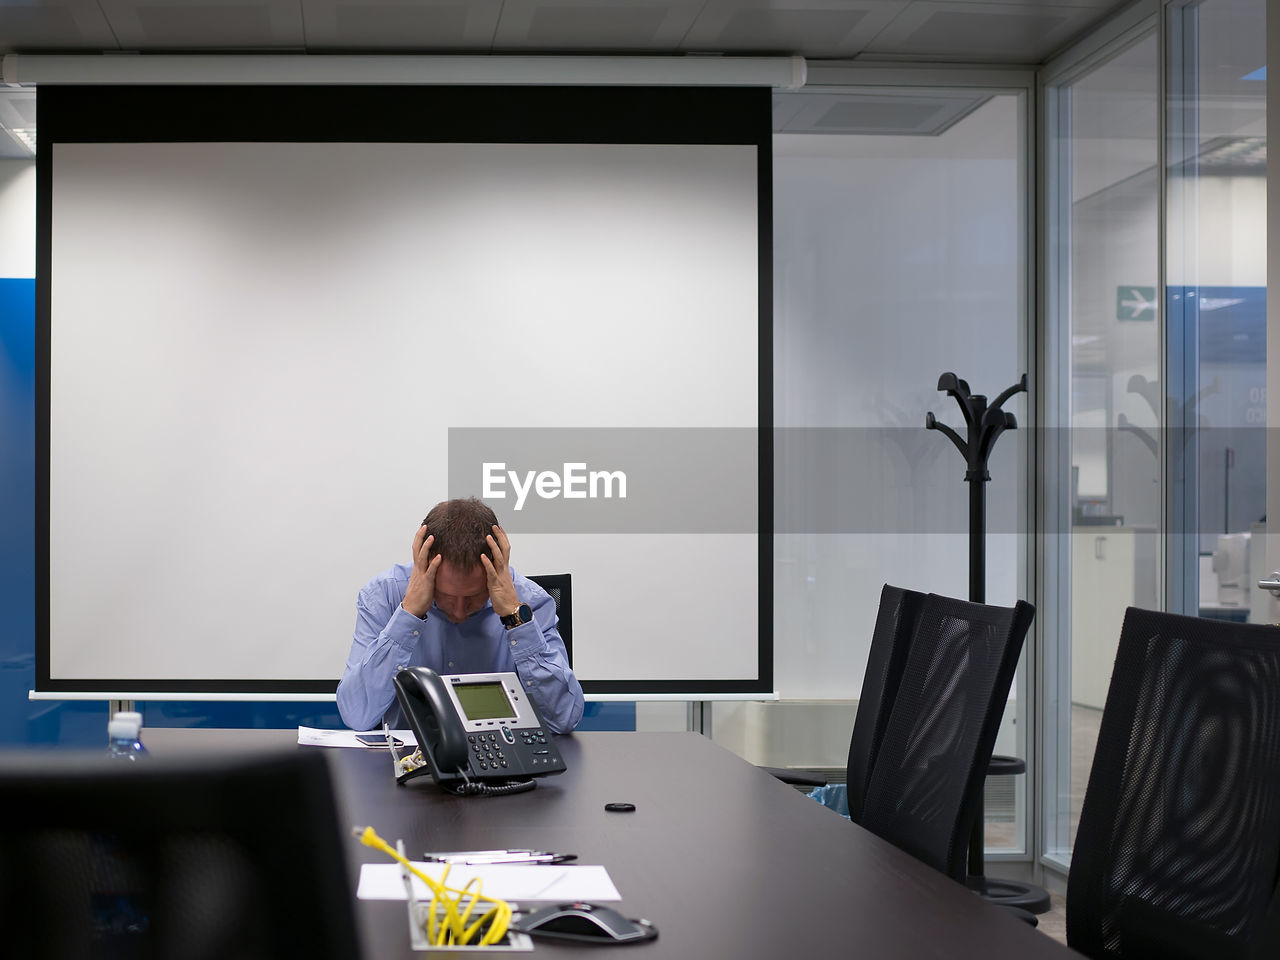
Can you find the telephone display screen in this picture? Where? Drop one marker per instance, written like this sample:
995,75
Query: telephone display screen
483,701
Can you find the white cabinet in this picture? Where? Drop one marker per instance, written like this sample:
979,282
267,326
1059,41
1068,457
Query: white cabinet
1107,565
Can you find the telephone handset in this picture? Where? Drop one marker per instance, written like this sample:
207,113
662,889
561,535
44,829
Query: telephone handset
474,729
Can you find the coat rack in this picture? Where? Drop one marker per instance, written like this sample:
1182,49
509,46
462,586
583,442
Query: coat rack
983,425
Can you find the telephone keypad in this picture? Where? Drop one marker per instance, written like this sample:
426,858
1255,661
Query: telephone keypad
533,756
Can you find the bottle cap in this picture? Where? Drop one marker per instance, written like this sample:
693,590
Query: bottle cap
133,715
122,730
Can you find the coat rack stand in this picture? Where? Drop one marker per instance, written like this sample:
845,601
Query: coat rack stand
983,425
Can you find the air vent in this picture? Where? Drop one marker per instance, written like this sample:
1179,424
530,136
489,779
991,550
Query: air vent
872,114
17,124
1234,156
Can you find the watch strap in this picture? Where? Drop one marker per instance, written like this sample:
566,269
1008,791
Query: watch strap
522,615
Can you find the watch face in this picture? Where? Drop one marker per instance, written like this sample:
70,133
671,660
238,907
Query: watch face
523,614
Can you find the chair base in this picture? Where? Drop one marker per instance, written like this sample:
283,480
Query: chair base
1011,893
1026,916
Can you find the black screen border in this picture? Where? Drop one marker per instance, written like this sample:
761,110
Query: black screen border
195,113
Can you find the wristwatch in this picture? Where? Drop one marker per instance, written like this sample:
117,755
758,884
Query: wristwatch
522,615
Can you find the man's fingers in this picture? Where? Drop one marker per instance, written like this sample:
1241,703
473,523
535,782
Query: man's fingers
488,566
424,547
500,545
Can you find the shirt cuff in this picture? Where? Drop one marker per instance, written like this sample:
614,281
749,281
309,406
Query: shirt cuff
404,629
525,640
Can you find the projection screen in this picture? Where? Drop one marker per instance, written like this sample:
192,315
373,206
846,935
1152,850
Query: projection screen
270,339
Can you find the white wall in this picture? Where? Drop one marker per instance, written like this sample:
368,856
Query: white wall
896,259
17,218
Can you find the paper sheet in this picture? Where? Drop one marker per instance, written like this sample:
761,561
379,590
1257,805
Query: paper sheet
382,881
314,737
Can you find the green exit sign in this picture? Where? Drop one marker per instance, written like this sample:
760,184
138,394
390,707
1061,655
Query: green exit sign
1135,303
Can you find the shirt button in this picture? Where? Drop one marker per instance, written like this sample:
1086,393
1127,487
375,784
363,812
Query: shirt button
451,663
415,633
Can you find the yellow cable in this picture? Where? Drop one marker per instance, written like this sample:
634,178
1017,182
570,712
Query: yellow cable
453,929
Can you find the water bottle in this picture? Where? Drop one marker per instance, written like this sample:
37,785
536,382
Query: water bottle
122,741
136,719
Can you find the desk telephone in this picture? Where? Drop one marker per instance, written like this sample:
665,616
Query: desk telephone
476,732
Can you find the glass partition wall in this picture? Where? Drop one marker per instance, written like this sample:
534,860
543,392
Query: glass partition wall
1216,302
900,242
1107,179
1155,352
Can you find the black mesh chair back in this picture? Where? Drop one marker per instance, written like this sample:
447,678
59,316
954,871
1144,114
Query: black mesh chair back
890,642
927,780
1178,847
560,586
193,859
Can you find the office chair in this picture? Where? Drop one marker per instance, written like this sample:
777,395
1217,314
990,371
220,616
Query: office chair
560,586
925,787
896,619
896,623
1178,848
195,858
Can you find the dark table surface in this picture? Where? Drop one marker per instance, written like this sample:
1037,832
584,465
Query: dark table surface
725,860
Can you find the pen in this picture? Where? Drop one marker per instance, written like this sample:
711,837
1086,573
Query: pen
500,856
533,858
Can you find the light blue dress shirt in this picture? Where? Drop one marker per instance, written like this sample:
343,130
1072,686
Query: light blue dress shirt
387,638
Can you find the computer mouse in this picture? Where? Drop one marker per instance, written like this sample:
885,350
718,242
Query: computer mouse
584,921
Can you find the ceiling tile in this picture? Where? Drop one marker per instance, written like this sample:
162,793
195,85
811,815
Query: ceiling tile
1026,32
594,25
1041,4
815,28
424,25
73,25
206,24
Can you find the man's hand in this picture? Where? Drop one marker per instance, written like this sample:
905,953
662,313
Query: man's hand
422,582
502,590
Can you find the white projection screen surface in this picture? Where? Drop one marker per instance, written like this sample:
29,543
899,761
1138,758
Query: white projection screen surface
270,352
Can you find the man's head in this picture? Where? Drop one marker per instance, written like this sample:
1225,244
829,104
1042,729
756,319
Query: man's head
459,528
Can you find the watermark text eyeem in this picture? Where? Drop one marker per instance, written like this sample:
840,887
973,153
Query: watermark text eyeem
575,482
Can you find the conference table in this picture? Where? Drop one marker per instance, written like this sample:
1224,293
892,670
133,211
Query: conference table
725,860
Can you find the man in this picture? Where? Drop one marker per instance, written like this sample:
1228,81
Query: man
458,608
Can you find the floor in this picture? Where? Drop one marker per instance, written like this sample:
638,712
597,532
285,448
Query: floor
1084,736
1054,923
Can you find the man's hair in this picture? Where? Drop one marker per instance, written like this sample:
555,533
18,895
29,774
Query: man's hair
459,528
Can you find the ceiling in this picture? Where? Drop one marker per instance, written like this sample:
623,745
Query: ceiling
1004,32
